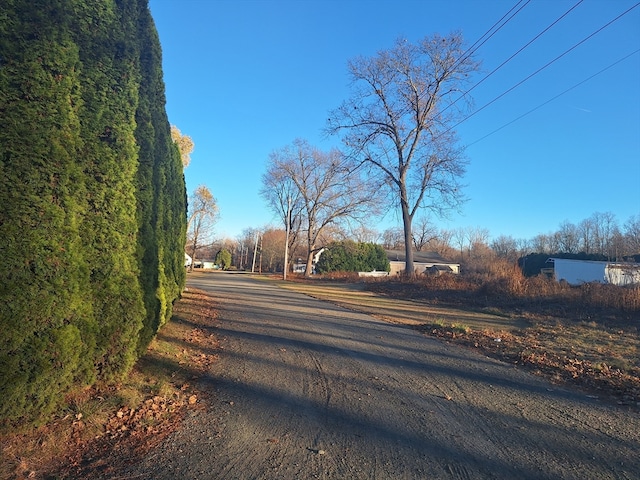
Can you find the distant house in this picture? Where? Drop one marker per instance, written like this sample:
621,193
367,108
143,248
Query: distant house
300,266
423,263
576,272
209,264
187,260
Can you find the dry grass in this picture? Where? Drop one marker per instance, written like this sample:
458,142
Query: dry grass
121,421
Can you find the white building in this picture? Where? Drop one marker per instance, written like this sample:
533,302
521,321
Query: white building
576,272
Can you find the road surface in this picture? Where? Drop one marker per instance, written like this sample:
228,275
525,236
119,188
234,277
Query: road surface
304,389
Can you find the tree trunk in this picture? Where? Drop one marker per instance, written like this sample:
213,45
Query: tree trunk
409,269
309,268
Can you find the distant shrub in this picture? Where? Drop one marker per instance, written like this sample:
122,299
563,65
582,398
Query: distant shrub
349,256
223,259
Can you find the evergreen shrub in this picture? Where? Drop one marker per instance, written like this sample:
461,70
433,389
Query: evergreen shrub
350,256
92,198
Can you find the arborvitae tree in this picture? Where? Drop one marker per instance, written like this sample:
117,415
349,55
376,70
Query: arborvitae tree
87,196
223,258
109,45
46,323
349,256
162,194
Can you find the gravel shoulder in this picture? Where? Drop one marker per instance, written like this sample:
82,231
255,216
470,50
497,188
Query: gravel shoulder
306,389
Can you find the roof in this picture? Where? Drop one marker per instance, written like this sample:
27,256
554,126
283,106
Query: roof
610,264
418,257
440,268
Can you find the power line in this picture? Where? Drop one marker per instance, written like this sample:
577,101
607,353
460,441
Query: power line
517,53
473,48
554,98
541,68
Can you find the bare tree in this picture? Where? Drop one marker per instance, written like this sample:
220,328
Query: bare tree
459,239
363,234
568,238
203,212
542,243
423,233
477,239
325,189
245,249
632,235
506,247
283,197
604,229
443,244
398,123
393,238
272,251
586,229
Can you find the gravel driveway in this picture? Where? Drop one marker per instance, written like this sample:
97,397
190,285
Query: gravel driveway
304,389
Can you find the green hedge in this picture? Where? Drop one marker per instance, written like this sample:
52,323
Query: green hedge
92,198
349,256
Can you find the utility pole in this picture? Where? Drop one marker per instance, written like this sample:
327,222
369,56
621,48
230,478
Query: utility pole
255,251
260,263
286,241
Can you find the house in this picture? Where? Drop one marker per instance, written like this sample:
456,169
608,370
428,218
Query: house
576,272
187,260
423,263
209,264
300,267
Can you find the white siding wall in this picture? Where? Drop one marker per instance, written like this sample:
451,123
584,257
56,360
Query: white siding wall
576,272
618,274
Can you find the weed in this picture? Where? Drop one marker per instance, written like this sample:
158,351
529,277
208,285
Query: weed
460,328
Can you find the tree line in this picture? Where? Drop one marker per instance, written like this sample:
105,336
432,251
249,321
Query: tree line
92,198
472,247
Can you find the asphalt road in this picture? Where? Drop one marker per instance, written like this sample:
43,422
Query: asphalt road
304,389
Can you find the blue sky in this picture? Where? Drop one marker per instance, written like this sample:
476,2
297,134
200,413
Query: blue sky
246,77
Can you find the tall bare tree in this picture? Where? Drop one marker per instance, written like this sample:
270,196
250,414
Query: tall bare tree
324,187
398,122
283,197
203,212
604,228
